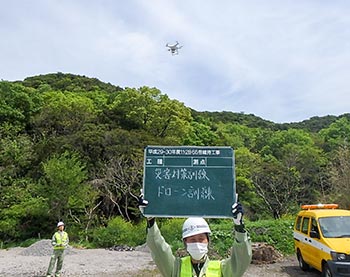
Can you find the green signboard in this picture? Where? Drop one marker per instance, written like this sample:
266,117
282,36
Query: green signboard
182,181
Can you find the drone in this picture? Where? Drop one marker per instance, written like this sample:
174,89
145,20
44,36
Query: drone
174,49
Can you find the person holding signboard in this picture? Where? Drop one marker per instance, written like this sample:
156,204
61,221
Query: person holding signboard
195,235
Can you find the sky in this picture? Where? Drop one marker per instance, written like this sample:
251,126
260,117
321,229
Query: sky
281,60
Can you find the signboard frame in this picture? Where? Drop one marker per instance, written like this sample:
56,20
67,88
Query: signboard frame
184,181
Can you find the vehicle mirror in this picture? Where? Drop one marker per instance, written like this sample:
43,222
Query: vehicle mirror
314,234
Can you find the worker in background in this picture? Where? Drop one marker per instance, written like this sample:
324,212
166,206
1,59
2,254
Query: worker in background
59,242
195,235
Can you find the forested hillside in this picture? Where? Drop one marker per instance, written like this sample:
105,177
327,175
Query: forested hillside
71,148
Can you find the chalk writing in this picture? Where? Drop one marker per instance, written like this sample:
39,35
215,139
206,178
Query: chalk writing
181,174
182,181
201,193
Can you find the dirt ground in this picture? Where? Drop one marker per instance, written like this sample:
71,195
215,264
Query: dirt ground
102,262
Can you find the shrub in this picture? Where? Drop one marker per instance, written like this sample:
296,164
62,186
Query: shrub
119,232
278,233
221,236
171,230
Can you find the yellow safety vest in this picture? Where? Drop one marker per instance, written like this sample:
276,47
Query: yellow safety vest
61,238
213,269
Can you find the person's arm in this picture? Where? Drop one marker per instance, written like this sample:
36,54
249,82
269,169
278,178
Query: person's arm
53,240
241,256
66,242
160,250
241,253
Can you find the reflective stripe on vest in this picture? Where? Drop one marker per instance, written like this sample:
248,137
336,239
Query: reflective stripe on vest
213,269
61,238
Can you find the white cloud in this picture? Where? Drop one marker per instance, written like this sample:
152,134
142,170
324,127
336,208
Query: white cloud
281,60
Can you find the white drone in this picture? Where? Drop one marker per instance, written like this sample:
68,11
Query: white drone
174,49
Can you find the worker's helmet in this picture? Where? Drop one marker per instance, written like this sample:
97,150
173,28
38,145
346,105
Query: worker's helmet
60,224
194,226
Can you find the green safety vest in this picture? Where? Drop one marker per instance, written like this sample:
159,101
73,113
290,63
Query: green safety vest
213,269
60,238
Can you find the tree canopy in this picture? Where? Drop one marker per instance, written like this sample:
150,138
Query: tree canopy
71,148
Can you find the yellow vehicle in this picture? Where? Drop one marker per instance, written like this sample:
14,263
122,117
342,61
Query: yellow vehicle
322,239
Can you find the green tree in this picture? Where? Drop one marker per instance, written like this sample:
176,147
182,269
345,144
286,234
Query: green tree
200,134
22,210
340,177
64,113
65,186
17,104
16,154
146,108
336,134
280,139
277,186
292,171
235,135
246,164
119,186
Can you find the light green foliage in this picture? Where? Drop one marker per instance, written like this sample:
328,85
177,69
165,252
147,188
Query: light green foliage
17,104
119,232
65,185
247,163
19,205
278,166
336,134
200,134
221,239
64,113
289,172
172,231
235,135
282,139
148,109
278,233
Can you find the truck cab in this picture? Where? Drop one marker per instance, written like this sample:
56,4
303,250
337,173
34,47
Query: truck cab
322,239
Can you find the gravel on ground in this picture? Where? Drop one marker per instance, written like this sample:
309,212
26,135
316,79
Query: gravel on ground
34,260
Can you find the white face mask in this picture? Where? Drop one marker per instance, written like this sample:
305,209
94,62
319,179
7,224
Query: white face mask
197,250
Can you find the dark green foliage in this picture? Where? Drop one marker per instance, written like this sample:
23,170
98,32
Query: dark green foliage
248,120
22,210
70,82
313,124
336,135
71,148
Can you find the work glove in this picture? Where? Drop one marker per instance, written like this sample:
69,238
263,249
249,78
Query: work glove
142,205
237,213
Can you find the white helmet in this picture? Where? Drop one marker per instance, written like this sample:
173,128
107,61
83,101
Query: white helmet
194,226
60,224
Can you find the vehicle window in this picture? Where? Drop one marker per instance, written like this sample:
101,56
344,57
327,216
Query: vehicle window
314,226
335,226
305,226
298,223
